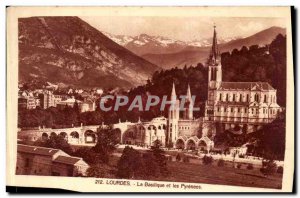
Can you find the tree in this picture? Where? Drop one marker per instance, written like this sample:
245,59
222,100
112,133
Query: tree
178,157
159,156
131,165
106,143
88,155
271,140
100,171
269,167
207,160
280,170
76,108
56,142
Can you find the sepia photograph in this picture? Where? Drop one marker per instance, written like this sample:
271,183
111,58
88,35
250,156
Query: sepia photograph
149,100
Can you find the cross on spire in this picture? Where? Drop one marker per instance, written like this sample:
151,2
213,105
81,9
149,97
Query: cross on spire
214,53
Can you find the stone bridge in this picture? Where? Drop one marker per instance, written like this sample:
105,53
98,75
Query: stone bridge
74,135
140,133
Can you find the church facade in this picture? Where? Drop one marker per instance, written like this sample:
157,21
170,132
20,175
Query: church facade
238,105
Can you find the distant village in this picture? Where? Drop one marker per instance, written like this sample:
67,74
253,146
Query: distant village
52,96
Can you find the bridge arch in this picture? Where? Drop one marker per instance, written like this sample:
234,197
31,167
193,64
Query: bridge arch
74,137
53,134
64,135
45,136
90,136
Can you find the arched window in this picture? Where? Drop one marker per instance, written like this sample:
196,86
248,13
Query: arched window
241,97
256,97
247,97
220,97
227,97
233,98
265,99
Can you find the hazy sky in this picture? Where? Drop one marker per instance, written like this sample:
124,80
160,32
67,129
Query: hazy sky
186,29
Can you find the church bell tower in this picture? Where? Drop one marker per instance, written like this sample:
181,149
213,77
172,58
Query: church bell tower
214,76
214,64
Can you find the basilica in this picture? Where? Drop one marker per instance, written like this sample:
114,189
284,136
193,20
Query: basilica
238,107
242,105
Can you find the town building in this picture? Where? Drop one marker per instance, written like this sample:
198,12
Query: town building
28,102
87,105
47,99
34,160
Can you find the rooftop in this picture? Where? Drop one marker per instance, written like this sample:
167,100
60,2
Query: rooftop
67,160
37,150
261,86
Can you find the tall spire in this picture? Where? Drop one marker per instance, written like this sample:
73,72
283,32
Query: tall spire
214,48
214,53
173,94
188,93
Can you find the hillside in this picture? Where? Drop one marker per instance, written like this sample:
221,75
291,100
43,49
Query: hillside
179,59
70,51
192,55
261,38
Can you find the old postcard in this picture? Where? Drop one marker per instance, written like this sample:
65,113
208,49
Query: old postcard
150,99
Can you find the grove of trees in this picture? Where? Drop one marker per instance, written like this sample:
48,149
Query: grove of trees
137,165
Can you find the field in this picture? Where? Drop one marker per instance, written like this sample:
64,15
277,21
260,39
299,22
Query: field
196,172
212,174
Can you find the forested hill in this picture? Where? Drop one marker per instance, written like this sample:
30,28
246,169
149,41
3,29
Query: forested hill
264,64
253,64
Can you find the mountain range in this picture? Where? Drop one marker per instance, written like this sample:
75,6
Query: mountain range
69,51
147,44
168,53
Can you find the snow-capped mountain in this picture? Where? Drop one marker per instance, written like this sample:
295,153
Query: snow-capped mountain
120,39
169,53
146,44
